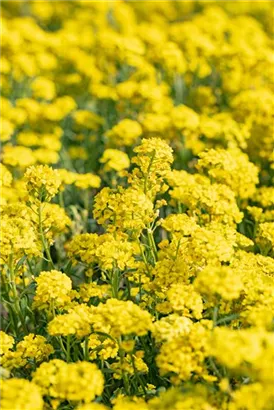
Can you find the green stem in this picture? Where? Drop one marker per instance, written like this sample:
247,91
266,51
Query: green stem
16,302
68,348
152,245
227,319
12,313
86,208
214,367
137,375
128,288
215,315
62,345
61,199
43,239
124,376
145,260
86,352
115,279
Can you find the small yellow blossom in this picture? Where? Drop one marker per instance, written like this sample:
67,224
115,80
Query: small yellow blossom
20,394
53,290
42,182
114,159
221,281
80,381
125,133
6,177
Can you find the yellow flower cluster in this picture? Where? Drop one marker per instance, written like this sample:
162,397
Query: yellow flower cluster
52,291
105,250
231,168
42,182
78,382
128,210
6,177
31,348
137,205
254,351
221,281
116,160
118,318
191,350
125,133
76,322
102,347
20,394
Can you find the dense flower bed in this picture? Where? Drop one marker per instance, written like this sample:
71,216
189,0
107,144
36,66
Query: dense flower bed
137,205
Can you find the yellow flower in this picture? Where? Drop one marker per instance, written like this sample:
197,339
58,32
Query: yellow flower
195,397
231,168
131,363
127,210
260,394
20,394
85,181
42,182
209,201
7,129
43,87
7,342
46,156
102,347
265,196
107,250
118,317
77,322
170,327
80,381
184,299
63,381
221,281
5,175
265,237
54,221
153,156
125,133
92,289
53,290
18,236
34,347
116,160
184,355
18,156
254,351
